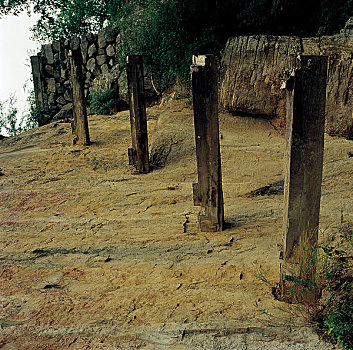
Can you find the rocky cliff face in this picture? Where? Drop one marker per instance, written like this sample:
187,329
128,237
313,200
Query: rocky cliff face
253,70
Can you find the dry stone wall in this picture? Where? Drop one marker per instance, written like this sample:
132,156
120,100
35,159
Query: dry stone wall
254,68
101,70
51,72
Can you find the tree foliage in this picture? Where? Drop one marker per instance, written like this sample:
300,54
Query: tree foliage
166,36
334,14
168,32
64,18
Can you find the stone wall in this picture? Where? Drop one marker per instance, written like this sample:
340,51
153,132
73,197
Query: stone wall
253,70
101,70
51,72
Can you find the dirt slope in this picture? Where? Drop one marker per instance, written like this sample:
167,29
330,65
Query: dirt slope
94,256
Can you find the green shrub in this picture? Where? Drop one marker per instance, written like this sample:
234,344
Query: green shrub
339,323
324,285
35,116
9,121
102,101
12,124
337,270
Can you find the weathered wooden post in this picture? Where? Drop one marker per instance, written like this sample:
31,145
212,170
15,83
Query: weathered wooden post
306,98
138,153
80,122
208,191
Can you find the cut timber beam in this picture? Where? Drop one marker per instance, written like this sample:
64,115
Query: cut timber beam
306,98
208,191
80,122
138,154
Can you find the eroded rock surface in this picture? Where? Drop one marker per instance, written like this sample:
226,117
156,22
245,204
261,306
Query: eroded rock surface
254,69
93,256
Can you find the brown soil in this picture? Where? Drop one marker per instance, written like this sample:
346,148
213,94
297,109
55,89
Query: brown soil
94,256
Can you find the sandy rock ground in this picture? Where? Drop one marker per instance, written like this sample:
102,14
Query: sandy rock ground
94,256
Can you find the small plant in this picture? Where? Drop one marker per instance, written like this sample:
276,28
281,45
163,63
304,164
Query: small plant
262,277
339,323
102,101
9,121
35,116
12,124
308,281
337,269
324,286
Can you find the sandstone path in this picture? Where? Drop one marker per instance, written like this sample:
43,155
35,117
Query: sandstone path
93,256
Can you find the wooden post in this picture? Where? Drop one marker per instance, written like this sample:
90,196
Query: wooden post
306,98
208,191
80,122
138,154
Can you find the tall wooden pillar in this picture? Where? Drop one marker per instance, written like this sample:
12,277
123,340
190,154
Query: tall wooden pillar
138,153
80,122
208,191
306,98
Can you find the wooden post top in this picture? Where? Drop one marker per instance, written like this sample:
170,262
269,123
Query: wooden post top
202,61
134,58
199,60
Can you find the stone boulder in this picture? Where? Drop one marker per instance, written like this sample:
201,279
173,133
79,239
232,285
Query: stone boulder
101,39
110,33
92,50
65,113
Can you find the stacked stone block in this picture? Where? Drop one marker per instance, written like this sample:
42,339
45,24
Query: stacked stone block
51,72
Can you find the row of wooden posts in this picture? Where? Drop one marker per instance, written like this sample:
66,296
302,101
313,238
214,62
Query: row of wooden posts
305,105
